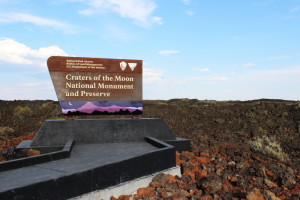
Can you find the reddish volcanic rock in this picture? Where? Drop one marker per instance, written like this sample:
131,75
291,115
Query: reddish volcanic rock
271,196
227,187
203,160
210,184
206,197
271,174
149,191
255,194
201,174
12,143
270,184
125,197
30,152
226,177
234,179
162,179
205,154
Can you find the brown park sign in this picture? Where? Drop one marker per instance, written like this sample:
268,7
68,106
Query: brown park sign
97,85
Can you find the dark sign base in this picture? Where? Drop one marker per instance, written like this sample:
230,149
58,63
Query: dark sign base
130,151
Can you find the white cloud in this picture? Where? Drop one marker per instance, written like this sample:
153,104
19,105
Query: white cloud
190,12
295,9
46,84
200,69
15,52
155,77
185,80
36,20
157,20
187,2
152,75
203,79
288,74
218,78
249,64
86,12
168,52
277,57
138,10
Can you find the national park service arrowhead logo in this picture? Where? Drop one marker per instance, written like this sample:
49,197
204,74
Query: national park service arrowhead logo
123,65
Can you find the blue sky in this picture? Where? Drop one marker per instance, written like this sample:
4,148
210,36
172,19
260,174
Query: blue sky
222,50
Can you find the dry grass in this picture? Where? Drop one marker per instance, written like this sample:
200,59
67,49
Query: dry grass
22,111
267,146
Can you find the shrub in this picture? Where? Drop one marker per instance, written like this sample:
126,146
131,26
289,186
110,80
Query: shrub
269,147
45,106
22,111
161,103
6,131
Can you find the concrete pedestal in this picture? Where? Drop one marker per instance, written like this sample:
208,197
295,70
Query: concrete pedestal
96,154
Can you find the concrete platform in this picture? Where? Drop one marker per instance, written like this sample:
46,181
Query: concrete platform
83,157
105,153
90,167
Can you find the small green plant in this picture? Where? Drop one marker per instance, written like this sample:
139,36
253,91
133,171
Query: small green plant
44,106
161,103
269,147
22,111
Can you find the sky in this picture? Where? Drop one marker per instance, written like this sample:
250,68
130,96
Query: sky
216,50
